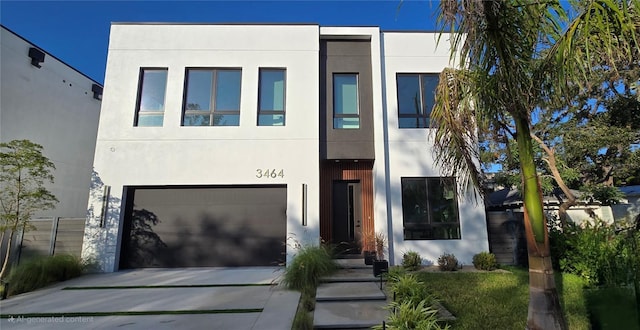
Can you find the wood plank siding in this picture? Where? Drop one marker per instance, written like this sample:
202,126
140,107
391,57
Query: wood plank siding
345,170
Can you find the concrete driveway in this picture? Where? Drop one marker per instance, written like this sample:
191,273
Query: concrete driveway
186,298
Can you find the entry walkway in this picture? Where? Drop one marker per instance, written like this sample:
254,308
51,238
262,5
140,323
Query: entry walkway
187,298
350,299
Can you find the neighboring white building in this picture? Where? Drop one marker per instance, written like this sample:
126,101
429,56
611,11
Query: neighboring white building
629,208
226,145
44,100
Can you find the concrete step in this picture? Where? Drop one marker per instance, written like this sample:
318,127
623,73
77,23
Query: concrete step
349,291
349,314
352,263
352,275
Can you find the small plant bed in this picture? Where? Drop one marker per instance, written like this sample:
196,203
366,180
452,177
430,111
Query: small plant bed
411,260
304,273
485,261
39,272
412,306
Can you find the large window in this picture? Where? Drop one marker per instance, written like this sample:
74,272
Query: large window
430,208
346,113
271,100
416,95
212,97
151,92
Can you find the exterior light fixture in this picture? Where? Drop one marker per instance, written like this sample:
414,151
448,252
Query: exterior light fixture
37,57
97,91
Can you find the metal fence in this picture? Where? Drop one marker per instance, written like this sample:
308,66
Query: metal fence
51,236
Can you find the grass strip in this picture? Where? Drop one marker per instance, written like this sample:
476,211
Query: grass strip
135,313
162,286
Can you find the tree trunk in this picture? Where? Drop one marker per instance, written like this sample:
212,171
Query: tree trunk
545,311
5,262
553,167
562,211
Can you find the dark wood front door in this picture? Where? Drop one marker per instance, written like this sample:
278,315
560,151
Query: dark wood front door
347,216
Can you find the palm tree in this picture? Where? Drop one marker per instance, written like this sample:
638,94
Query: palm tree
511,56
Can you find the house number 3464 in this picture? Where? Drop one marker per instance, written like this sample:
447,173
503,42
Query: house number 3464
269,173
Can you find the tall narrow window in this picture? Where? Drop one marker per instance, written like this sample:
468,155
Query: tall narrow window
430,208
416,96
212,97
346,113
271,101
151,93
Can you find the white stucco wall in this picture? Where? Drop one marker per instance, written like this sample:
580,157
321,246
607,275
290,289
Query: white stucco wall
54,107
410,152
174,155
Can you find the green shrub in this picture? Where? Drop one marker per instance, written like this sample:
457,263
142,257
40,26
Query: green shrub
394,273
408,288
411,260
594,252
448,262
407,316
310,264
303,320
485,261
39,272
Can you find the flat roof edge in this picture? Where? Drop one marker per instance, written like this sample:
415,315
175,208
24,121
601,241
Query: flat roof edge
53,56
216,23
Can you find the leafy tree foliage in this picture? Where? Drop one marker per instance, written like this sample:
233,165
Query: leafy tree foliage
23,174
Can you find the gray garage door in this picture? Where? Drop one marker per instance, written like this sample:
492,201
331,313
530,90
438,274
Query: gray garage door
204,226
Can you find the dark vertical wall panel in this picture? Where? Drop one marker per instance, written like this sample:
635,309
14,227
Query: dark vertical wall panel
346,56
345,170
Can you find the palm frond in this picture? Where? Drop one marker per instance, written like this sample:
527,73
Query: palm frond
604,33
455,139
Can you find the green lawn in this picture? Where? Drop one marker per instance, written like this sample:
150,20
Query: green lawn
612,308
499,301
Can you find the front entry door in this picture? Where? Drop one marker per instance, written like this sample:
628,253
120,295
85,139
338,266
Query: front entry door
347,216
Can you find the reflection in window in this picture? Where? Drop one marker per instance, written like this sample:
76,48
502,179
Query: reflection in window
271,97
212,97
416,96
151,93
430,208
346,113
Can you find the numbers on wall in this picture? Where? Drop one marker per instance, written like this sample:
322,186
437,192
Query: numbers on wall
269,173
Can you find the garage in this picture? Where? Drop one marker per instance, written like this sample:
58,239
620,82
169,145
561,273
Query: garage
219,226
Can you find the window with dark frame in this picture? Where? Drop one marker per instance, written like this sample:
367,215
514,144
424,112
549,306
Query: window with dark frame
416,96
151,94
271,97
346,112
430,208
212,97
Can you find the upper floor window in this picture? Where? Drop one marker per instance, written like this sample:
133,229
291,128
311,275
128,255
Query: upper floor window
271,101
151,92
430,208
346,112
416,96
212,97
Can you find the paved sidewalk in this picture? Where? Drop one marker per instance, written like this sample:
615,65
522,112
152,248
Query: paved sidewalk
188,298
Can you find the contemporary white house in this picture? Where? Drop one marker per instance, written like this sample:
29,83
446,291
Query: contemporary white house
227,145
45,100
